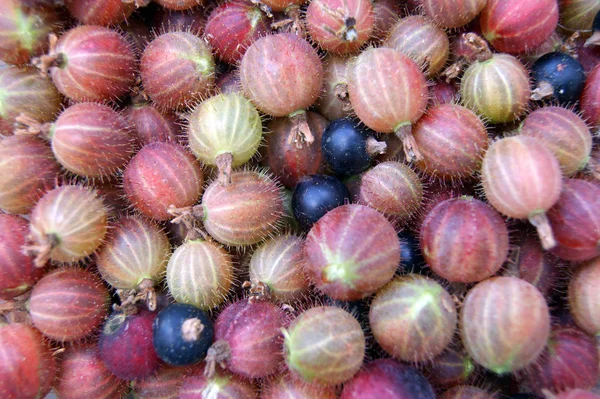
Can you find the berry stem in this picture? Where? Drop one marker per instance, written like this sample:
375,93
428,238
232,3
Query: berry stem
375,147
41,250
479,45
27,125
300,132
411,150
224,162
191,329
540,222
218,353
45,62
543,90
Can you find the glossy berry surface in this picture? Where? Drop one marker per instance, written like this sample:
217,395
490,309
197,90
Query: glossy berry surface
182,334
564,73
344,145
316,195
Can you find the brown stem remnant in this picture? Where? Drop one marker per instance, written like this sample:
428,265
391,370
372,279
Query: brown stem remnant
375,147
191,329
594,40
454,70
257,290
224,162
411,150
540,221
219,353
145,292
544,89
301,132
41,250
479,46
293,24
52,59
27,125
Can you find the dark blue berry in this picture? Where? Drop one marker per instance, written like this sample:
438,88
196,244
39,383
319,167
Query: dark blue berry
526,396
411,259
315,195
563,73
182,334
344,146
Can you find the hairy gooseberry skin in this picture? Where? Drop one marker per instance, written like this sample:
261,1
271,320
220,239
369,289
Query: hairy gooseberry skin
253,332
28,170
504,324
149,124
91,140
324,345
222,385
570,361
406,328
84,375
27,366
164,384
564,132
590,97
160,175
73,216
233,26
200,273
18,274
100,12
516,27
277,82
464,240
452,13
583,296
577,15
68,304
225,123
177,68
340,27
383,69
421,40
136,249
466,392
289,387
389,377
497,89
575,221
245,212
577,394
351,252
452,141
24,91
94,64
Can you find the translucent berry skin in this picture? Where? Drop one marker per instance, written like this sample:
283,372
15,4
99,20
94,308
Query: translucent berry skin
84,375
564,73
564,132
575,221
452,13
25,29
170,340
91,140
315,195
578,14
18,274
379,70
286,159
278,263
497,89
98,64
24,90
232,27
351,252
584,296
413,318
590,97
76,216
390,379
516,27
452,141
177,68
392,188
160,175
179,4
277,82
569,361
340,27
222,385
324,345
289,387
504,324
536,266
100,12
200,273
125,345
464,240
245,212
28,170
466,392
451,368
344,145
149,124
68,304
409,36
27,365
253,332
225,123
577,394
164,384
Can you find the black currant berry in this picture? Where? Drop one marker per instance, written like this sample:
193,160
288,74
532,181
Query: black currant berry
182,334
412,260
315,195
346,147
558,76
